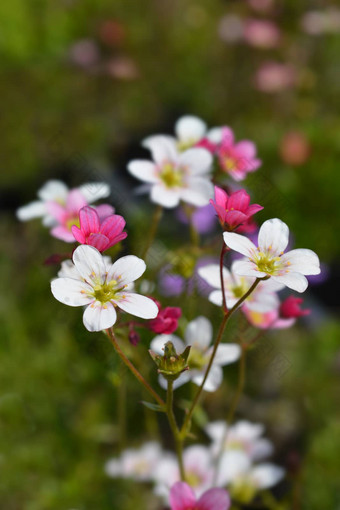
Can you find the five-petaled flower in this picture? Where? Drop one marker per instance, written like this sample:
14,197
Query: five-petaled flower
269,259
174,176
182,497
100,234
103,288
233,210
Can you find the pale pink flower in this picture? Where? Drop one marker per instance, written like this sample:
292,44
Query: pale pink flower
102,289
138,464
269,259
182,497
274,77
100,234
295,148
233,210
262,33
235,159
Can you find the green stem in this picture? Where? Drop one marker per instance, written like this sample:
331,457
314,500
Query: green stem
157,215
133,369
174,428
122,408
225,319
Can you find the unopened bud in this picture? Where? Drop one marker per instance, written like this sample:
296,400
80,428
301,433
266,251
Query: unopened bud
171,364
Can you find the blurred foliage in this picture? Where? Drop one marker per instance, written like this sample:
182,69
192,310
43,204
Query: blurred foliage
159,60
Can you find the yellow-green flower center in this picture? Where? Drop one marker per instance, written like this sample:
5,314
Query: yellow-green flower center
193,479
197,359
186,144
243,490
171,175
229,163
267,263
72,221
107,291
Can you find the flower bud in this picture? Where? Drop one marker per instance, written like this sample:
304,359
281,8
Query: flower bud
171,364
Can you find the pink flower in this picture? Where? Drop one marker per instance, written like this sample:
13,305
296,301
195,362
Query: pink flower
236,159
262,33
166,321
66,214
182,497
100,231
274,77
233,210
290,308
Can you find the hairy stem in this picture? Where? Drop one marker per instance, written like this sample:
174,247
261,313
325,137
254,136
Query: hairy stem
133,369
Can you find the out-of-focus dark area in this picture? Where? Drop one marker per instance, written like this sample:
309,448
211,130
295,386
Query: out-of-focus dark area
82,83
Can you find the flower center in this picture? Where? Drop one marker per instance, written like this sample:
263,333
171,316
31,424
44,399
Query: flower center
106,291
193,478
243,490
186,144
229,163
267,263
73,220
197,359
171,175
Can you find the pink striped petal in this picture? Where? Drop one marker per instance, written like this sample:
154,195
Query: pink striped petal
112,226
234,218
104,210
63,233
182,497
214,499
78,234
98,241
239,200
117,239
221,197
89,221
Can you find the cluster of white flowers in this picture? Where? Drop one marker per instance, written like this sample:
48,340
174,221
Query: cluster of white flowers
240,467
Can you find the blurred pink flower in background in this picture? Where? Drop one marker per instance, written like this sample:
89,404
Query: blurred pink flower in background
182,497
261,5
262,33
274,77
295,148
84,53
236,159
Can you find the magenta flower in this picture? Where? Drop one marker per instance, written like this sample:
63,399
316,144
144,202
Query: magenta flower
182,497
166,321
234,210
290,308
99,231
236,159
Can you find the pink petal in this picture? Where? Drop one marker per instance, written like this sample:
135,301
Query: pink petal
104,210
221,197
182,497
234,218
56,210
75,200
112,226
89,221
221,212
78,234
98,241
253,209
239,200
117,239
214,499
63,233
227,136
246,148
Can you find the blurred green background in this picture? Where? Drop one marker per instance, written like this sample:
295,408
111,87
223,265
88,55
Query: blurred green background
83,81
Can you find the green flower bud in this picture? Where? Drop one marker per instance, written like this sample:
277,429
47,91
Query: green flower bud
171,364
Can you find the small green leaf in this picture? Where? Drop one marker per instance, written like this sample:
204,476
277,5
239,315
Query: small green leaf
154,407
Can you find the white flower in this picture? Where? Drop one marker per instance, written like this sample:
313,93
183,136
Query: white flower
139,464
269,258
175,176
262,299
199,471
243,436
103,288
189,130
199,335
56,192
246,484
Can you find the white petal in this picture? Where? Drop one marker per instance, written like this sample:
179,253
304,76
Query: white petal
113,468
158,342
93,191
55,191
138,305
262,302
32,210
216,430
273,236
165,196
69,270
183,379
89,263
215,134
239,243
98,316
213,381
215,297
211,274
198,160
233,464
198,191
190,129
143,170
302,261
163,148
247,268
71,292
226,354
199,333
267,475
261,448
126,269
295,281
